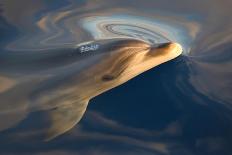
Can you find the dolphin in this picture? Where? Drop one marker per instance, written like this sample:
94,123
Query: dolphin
62,81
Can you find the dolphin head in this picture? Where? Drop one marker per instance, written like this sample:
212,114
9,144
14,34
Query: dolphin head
133,57
123,60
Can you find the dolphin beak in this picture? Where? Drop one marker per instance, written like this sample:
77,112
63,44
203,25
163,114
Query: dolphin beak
170,49
161,45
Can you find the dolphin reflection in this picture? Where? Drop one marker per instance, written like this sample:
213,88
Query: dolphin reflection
69,78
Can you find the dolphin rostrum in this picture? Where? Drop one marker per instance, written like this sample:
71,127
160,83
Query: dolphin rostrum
62,81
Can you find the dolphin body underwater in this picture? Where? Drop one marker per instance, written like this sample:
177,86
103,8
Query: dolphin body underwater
62,81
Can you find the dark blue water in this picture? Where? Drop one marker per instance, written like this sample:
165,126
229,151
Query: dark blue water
182,107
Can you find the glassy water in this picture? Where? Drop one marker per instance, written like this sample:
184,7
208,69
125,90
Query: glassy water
182,107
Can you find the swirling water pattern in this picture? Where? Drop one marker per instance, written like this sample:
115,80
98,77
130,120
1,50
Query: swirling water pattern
182,107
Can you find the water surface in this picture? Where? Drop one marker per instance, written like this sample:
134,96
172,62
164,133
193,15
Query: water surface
181,107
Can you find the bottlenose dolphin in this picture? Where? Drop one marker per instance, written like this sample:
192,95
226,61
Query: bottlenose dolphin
62,81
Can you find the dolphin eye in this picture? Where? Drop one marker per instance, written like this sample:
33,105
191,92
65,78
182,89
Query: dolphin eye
108,77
